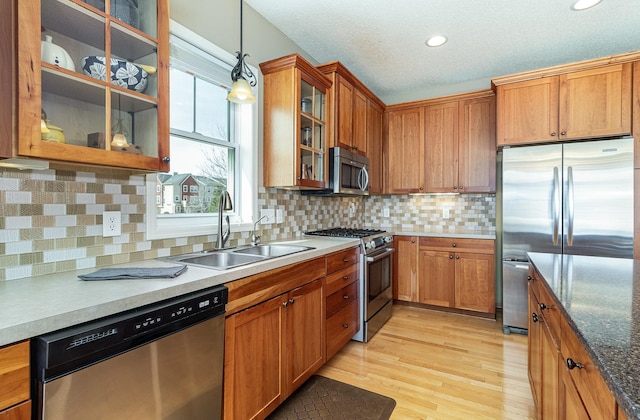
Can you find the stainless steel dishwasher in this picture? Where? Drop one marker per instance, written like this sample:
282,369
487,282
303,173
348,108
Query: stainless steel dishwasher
161,361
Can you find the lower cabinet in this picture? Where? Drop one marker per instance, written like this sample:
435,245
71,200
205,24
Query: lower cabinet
15,403
564,382
271,349
447,272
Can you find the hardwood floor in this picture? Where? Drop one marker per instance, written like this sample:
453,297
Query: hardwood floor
439,365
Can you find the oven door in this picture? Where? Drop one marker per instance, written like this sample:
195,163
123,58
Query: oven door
377,277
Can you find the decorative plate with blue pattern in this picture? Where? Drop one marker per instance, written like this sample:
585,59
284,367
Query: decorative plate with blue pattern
123,73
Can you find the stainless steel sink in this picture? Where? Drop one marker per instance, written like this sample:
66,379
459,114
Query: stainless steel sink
271,250
230,258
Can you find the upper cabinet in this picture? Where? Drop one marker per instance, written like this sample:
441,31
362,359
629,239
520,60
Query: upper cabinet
295,124
349,99
586,100
375,114
405,157
443,145
84,75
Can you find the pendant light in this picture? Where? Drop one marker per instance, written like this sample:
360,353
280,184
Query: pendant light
241,89
120,136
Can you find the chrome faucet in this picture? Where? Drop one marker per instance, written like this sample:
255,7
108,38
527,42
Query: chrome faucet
255,239
226,205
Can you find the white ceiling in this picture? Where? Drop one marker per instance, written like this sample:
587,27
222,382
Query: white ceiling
383,41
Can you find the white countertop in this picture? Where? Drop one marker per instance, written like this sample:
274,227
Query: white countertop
38,305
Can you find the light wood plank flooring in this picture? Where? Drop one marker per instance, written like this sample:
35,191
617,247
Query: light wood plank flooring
440,365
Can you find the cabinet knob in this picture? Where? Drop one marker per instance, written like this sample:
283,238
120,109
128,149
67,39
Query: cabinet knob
166,159
529,278
450,256
455,187
457,257
285,303
345,297
460,187
345,325
345,277
553,134
421,188
292,301
454,245
543,307
571,364
534,317
413,241
563,133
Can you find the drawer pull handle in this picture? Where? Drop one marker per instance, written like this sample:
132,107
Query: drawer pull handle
571,364
345,297
543,307
345,325
534,317
345,260
345,277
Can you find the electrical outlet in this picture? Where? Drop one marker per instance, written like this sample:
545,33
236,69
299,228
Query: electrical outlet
385,212
352,209
270,213
111,223
445,213
279,215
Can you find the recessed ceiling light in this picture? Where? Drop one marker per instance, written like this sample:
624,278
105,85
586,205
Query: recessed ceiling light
436,41
584,4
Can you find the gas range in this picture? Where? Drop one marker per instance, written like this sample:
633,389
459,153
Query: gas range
370,239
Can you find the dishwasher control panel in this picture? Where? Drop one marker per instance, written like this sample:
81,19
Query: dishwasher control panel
79,344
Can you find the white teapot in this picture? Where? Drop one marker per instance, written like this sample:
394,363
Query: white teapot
56,55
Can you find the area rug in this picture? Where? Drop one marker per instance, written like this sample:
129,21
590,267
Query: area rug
324,398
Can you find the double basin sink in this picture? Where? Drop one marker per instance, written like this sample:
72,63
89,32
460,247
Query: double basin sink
230,258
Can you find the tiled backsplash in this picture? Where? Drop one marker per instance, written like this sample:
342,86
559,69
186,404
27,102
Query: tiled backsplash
51,221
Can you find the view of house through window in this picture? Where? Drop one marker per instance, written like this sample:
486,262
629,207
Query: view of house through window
203,150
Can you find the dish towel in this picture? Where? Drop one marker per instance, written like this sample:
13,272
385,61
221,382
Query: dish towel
135,273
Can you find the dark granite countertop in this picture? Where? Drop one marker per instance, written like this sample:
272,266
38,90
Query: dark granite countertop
600,297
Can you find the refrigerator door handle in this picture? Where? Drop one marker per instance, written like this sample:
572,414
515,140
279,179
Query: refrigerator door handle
556,205
570,205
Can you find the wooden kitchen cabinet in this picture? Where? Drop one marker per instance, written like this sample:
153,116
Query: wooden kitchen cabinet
405,268
560,388
89,111
406,147
342,292
349,101
295,124
458,273
455,273
271,349
459,145
543,107
375,147
15,403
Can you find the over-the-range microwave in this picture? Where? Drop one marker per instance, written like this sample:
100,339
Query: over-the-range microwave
348,174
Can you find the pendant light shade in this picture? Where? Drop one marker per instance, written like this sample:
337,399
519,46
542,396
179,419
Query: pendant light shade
242,76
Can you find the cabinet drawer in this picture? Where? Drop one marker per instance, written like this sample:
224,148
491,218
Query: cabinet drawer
19,412
480,246
593,391
342,259
547,308
14,374
342,298
341,327
339,279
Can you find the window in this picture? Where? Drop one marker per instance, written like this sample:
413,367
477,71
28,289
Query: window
213,144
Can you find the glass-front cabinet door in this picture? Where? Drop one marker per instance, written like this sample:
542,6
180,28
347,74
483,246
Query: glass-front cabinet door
312,142
295,124
93,82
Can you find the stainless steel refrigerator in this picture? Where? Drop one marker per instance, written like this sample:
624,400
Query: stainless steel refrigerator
572,198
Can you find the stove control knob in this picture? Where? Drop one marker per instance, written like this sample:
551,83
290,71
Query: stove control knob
370,245
388,239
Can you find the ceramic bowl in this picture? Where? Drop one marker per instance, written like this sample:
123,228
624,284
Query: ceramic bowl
123,73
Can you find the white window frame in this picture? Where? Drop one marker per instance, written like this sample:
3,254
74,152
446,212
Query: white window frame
246,182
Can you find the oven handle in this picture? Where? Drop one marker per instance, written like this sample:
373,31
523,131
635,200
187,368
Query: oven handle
385,254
